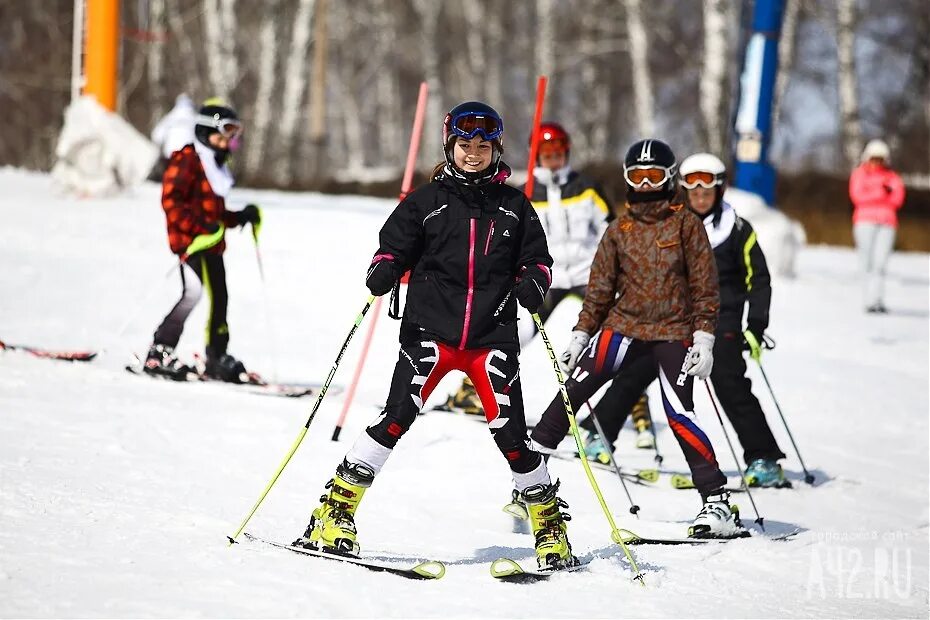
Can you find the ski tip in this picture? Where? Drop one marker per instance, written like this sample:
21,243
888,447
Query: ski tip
505,567
431,569
623,537
680,481
648,475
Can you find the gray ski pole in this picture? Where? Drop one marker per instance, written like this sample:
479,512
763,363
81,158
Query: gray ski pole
634,508
713,401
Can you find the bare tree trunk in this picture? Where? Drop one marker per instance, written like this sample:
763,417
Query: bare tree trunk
494,39
261,109
428,12
545,42
156,59
185,45
786,55
639,47
215,48
476,42
346,30
390,135
848,81
591,141
295,80
314,150
714,75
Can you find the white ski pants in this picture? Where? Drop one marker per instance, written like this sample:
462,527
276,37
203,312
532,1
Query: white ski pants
874,243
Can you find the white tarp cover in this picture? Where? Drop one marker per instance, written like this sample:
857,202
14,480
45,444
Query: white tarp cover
99,153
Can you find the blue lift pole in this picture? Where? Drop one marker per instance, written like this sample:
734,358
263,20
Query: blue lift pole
754,173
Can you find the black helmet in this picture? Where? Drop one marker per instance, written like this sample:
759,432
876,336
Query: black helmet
650,170
467,120
216,118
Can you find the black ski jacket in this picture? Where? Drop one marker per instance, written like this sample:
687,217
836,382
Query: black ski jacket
743,273
466,247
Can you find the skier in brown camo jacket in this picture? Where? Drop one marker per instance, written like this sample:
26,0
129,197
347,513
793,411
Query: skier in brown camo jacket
652,292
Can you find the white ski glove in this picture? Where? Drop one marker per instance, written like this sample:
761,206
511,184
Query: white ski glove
700,355
570,357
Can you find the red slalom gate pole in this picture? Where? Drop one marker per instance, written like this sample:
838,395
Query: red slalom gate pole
405,187
534,137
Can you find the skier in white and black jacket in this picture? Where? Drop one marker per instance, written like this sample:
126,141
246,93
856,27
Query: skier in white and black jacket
474,248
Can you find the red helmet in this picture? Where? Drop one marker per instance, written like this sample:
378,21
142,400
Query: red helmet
553,136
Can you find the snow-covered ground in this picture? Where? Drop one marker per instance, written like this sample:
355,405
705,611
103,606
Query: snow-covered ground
117,492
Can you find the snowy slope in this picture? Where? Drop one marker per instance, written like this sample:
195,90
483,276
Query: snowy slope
117,492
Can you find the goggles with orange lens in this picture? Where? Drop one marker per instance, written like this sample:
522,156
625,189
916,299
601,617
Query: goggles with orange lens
641,176
700,178
553,147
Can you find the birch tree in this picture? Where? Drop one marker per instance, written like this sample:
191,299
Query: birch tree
545,42
847,81
592,138
390,135
643,102
185,46
428,13
494,32
262,106
295,84
156,59
787,46
345,29
219,23
715,79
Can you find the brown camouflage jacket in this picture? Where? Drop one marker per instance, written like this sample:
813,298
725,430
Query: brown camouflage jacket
654,276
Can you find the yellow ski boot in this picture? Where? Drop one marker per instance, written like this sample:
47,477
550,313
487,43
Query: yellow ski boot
553,551
466,399
332,525
641,420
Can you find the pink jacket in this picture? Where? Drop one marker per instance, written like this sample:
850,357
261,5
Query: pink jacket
877,193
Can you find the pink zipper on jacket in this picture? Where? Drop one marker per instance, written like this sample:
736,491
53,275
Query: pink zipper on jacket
487,244
471,281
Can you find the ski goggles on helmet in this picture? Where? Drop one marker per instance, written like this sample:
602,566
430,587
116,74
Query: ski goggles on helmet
229,128
652,176
700,178
556,146
470,124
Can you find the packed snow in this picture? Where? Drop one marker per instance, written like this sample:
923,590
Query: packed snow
117,492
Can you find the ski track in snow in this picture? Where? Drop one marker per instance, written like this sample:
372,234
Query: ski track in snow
117,492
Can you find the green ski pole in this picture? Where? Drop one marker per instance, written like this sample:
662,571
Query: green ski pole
303,431
615,533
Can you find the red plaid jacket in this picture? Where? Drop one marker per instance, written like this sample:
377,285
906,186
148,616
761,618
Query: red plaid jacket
191,207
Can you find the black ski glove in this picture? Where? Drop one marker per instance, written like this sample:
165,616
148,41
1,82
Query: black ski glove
531,289
757,330
249,215
382,275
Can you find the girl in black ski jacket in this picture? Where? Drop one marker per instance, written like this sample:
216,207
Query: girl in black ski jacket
474,247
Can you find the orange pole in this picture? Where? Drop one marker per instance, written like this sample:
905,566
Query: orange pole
101,49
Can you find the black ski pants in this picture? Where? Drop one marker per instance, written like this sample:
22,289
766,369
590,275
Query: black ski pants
200,271
733,388
608,354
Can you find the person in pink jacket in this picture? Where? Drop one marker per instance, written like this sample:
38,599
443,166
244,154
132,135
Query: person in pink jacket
877,193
